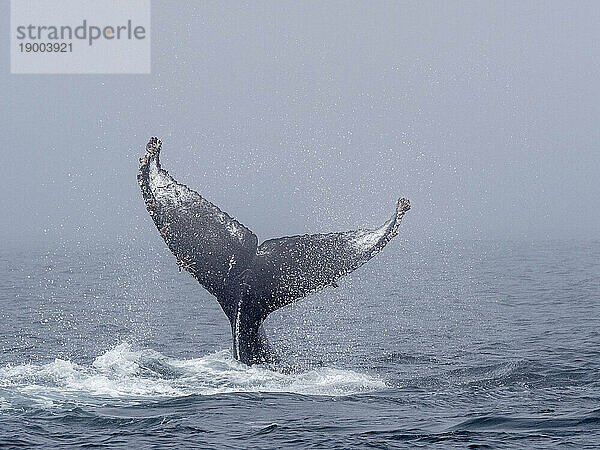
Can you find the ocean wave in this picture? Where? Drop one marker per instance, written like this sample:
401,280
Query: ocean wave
583,421
125,373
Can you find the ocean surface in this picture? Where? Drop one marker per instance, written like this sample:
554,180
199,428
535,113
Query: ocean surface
430,344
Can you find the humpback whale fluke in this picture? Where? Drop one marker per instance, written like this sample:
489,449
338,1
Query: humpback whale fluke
249,280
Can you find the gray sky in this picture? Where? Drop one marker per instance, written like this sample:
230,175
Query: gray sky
299,117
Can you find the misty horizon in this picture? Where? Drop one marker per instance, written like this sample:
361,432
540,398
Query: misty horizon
306,118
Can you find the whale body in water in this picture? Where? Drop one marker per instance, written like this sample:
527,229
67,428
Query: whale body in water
249,280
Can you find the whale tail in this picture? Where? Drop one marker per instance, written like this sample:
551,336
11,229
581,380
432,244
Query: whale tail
249,280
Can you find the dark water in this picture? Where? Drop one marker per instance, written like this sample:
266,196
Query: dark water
433,345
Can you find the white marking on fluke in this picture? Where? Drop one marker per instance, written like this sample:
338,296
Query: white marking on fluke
164,190
365,240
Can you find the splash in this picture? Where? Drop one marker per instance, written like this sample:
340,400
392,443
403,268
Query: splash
125,373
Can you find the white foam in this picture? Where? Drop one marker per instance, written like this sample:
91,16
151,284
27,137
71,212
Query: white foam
127,373
4,404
